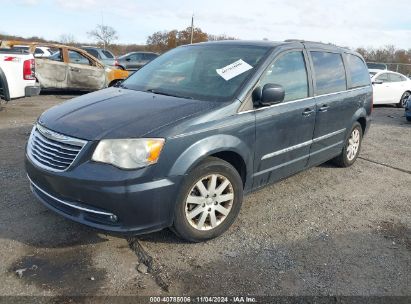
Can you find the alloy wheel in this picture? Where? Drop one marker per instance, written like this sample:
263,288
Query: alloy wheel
209,202
353,144
404,99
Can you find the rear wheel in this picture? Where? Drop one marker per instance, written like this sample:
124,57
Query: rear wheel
209,202
351,148
403,100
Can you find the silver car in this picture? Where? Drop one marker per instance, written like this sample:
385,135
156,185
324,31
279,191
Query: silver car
105,56
135,60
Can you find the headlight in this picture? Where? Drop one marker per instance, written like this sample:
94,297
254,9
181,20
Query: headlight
129,153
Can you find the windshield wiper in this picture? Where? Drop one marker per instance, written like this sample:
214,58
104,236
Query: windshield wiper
154,91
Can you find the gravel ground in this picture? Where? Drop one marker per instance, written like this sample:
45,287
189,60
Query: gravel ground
325,231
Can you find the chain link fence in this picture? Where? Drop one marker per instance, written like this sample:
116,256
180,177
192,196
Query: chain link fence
403,68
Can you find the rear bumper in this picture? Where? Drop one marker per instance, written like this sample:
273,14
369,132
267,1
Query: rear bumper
32,91
123,206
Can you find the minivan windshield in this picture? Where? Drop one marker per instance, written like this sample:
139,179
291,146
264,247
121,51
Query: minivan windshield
203,72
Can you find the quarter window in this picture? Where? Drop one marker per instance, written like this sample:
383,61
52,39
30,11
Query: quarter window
329,72
358,71
76,57
289,71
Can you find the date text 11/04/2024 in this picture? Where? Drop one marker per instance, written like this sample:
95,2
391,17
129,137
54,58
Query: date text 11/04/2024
200,299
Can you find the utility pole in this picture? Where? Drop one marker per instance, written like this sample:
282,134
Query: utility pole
192,29
102,29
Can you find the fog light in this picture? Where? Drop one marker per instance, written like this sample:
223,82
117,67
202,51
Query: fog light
113,218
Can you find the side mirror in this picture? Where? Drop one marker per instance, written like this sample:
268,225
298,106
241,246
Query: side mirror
377,82
128,59
270,94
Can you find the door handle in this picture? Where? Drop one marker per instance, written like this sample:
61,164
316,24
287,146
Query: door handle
324,108
74,70
308,112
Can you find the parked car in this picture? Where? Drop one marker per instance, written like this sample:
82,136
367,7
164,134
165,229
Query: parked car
135,60
39,51
178,144
377,66
390,87
408,109
70,68
105,56
17,74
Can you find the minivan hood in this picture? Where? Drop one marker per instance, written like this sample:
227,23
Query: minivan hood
119,113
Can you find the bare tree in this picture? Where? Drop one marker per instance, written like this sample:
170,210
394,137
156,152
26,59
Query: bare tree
67,39
103,34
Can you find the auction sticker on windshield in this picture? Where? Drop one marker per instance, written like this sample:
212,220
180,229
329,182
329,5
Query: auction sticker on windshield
232,70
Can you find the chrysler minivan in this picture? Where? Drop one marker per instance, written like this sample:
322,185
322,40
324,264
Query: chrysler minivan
180,141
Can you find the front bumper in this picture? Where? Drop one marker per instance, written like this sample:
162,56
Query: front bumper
127,206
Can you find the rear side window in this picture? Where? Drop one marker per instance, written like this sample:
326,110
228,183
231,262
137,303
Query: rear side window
93,53
290,72
329,72
107,54
358,71
137,57
150,56
396,78
57,56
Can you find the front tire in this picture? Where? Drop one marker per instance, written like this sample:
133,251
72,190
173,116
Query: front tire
352,147
209,201
403,100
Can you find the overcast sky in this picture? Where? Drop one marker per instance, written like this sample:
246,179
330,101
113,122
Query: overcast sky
353,23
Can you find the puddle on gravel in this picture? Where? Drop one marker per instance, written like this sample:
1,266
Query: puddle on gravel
67,239
68,271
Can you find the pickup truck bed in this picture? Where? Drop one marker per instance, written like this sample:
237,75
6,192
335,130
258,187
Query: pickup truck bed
17,74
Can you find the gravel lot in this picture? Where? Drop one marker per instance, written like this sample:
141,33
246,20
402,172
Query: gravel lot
325,231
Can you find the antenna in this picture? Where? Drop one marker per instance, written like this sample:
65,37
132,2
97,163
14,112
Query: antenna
102,29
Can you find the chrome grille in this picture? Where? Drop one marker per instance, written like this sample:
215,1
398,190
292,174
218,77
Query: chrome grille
51,150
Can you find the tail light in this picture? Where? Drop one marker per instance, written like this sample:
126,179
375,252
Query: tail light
29,69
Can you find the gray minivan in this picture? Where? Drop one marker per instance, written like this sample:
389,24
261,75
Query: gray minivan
181,140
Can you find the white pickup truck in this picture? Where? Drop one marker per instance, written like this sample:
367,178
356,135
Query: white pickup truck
17,74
